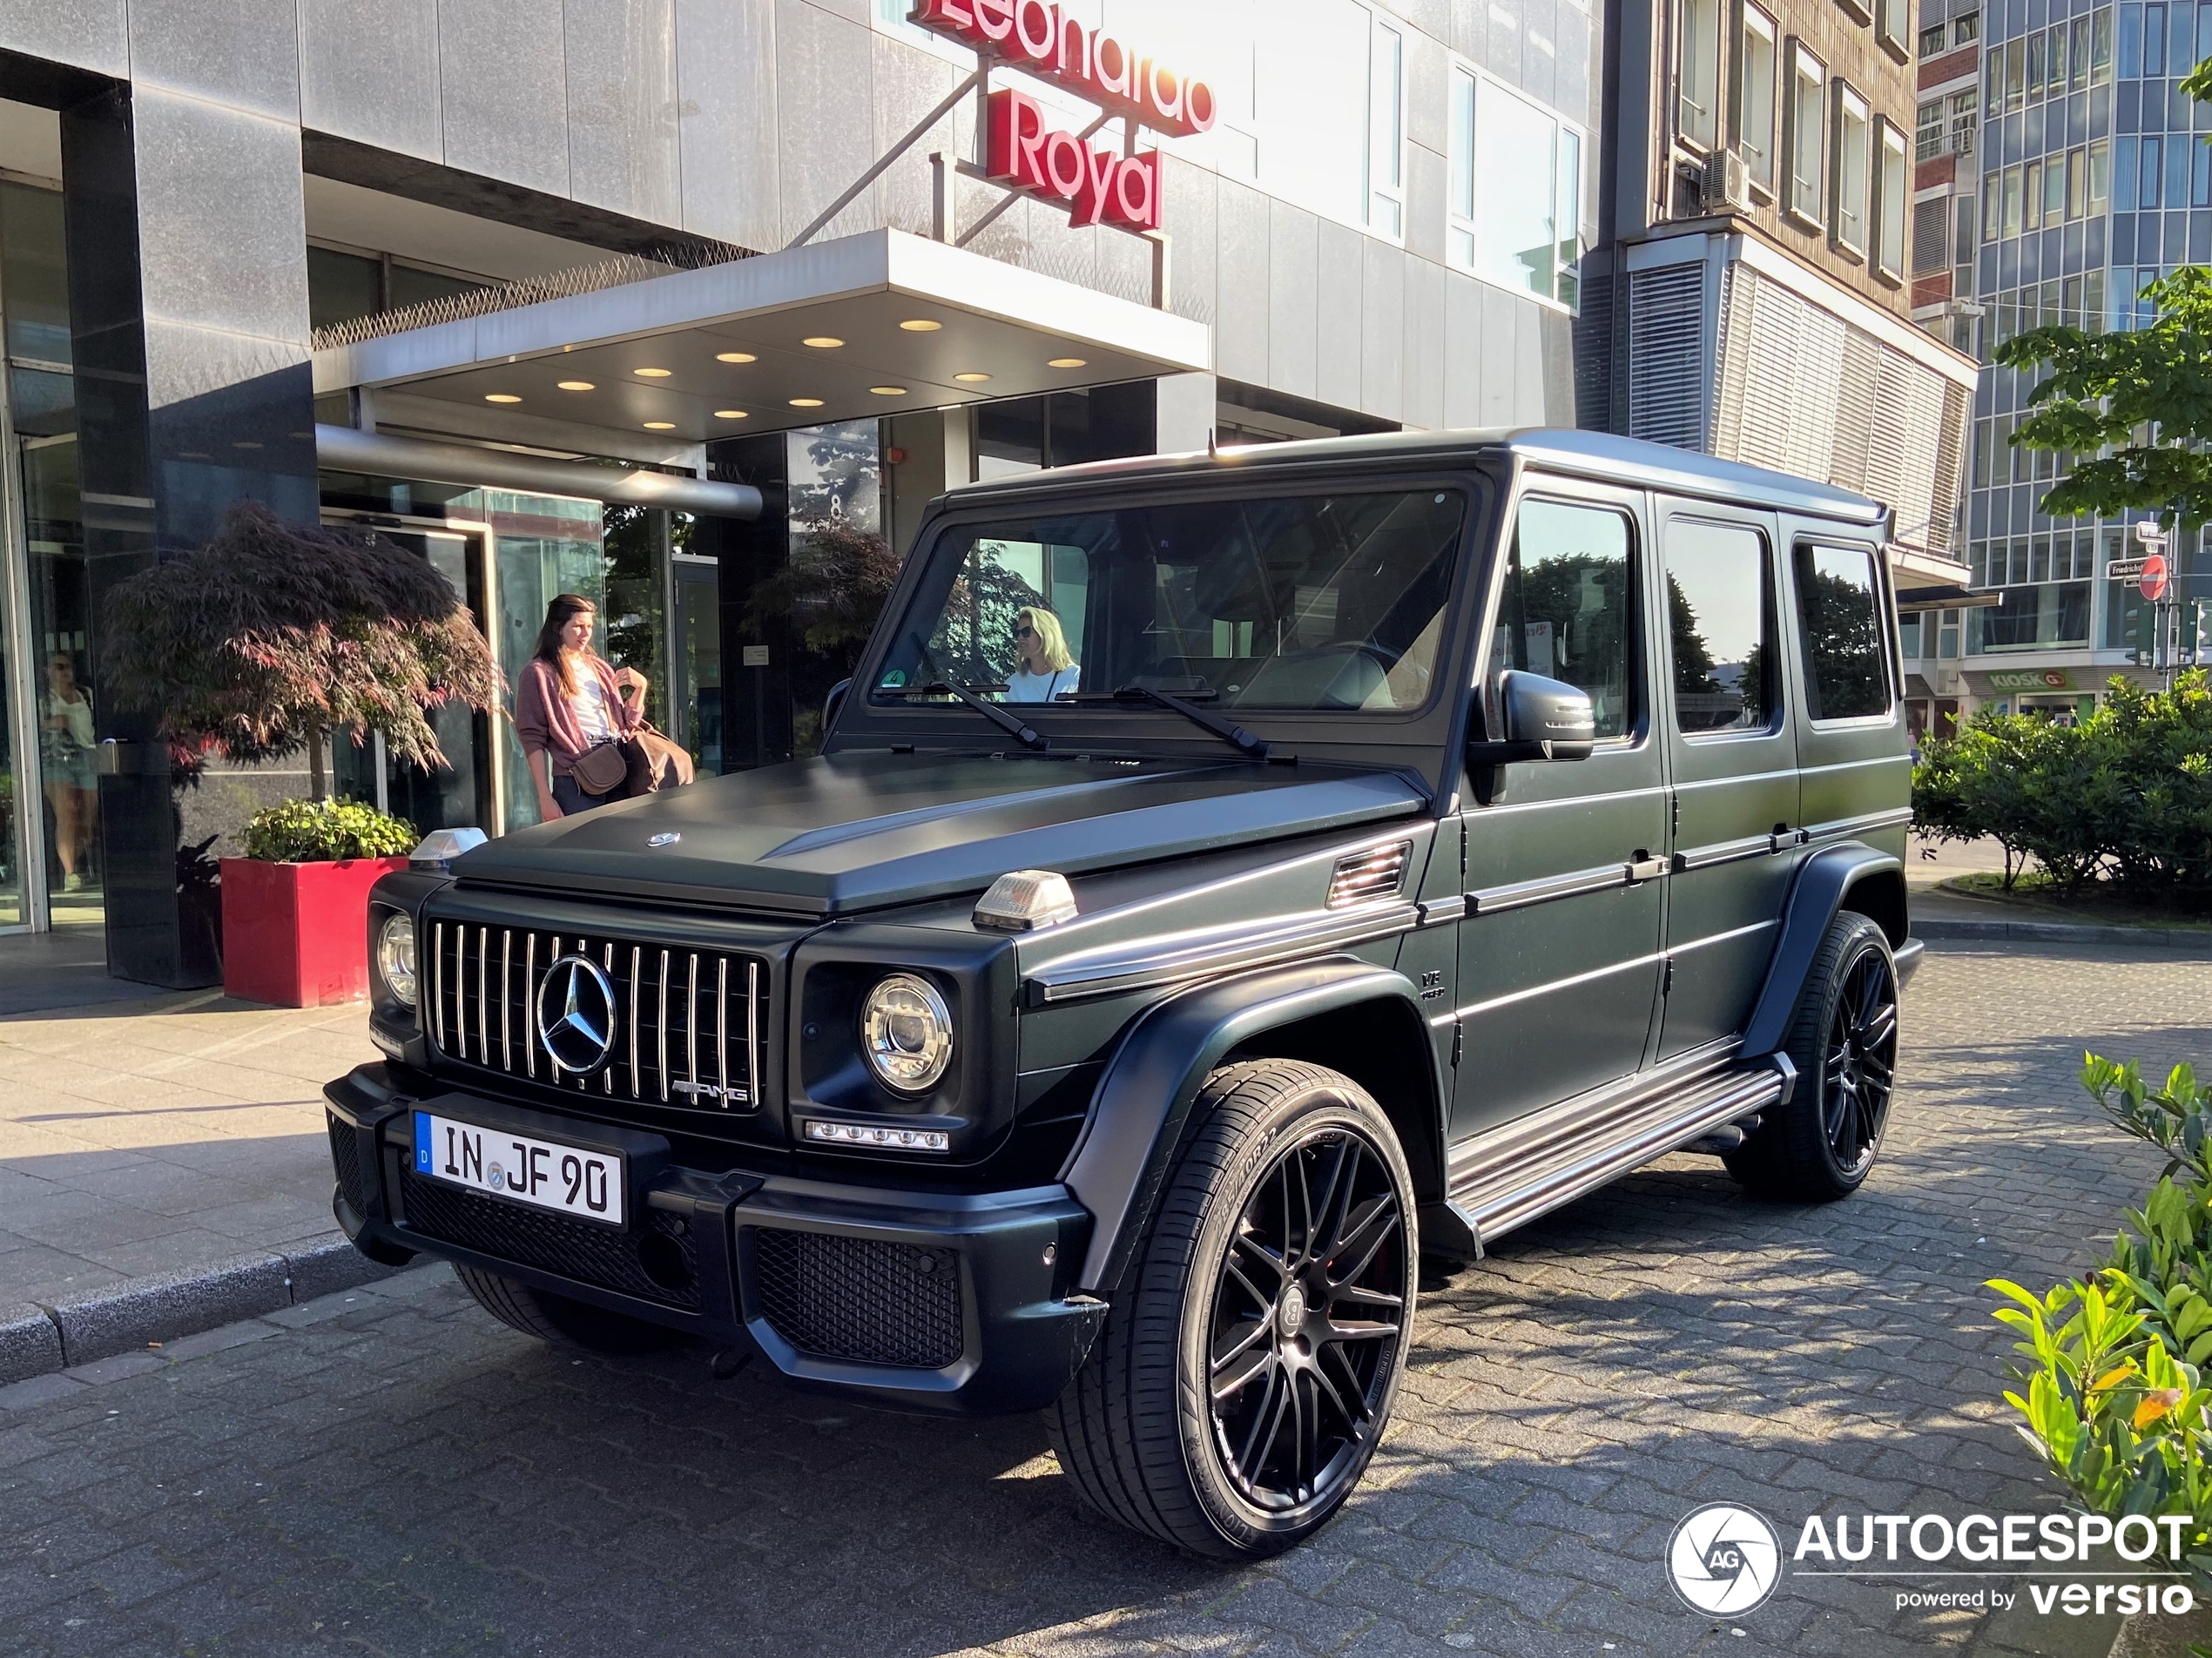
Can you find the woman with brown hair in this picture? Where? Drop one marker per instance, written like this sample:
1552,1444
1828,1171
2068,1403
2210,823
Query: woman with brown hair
569,701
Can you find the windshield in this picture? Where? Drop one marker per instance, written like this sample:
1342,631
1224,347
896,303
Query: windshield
1315,601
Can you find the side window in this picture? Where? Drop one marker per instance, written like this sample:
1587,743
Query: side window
1568,609
1720,628
1839,618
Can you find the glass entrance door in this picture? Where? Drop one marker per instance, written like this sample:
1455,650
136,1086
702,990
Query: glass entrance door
59,813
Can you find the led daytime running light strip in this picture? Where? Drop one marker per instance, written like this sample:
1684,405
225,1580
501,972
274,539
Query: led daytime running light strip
854,1133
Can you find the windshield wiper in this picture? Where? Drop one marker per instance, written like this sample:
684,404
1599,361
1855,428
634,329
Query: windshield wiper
1235,735
1019,730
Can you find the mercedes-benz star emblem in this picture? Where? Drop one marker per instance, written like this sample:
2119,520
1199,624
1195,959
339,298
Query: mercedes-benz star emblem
666,837
576,1013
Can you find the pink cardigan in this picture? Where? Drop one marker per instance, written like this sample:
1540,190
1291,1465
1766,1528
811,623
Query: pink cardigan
545,718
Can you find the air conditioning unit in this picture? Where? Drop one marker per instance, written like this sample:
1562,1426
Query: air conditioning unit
1725,187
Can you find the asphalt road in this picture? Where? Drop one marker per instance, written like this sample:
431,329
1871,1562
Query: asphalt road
390,1472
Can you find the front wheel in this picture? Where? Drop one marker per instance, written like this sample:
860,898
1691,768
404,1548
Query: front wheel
1246,1374
1821,1146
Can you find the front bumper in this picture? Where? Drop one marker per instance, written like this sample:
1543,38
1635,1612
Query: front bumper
927,1301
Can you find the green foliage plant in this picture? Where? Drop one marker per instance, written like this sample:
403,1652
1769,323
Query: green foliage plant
313,832
2116,1402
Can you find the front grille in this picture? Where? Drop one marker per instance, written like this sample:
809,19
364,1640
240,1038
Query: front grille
690,1027
654,1260
346,1158
859,1299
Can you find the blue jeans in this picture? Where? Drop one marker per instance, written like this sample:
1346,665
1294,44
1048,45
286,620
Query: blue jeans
571,798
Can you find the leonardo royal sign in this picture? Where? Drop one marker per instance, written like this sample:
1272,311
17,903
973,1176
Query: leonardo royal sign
1021,149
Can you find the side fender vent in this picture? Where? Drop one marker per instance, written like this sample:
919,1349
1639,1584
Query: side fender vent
1361,876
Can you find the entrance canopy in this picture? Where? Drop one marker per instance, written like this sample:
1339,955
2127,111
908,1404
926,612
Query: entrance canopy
864,325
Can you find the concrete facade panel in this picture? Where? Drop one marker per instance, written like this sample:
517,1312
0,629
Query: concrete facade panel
1241,325
1293,299
908,85
222,223
1189,208
824,64
1501,401
369,71
1425,366
623,146
244,53
1337,360
1382,316
89,34
726,120
1426,182
503,90
1462,350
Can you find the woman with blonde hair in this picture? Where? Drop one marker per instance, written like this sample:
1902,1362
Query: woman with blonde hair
1046,670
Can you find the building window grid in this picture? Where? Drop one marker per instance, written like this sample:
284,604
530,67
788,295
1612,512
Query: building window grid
1492,226
1757,48
1807,132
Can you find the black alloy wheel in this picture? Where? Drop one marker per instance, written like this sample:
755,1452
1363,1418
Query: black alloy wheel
1858,1070
1821,1144
1305,1324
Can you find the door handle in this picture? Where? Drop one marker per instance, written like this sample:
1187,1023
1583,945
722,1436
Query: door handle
1644,867
1785,838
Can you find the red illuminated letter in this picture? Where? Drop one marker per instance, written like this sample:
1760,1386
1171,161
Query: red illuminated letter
1074,65
1136,193
1015,133
1167,104
1199,109
945,17
1097,197
1064,156
1109,68
994,18
1035,25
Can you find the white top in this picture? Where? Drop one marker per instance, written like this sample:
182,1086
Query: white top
590,704
1023,686
77,713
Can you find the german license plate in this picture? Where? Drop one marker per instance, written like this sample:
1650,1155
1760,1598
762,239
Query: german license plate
568,1180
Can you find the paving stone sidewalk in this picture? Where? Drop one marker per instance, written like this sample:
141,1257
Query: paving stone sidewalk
388,1472
160,1135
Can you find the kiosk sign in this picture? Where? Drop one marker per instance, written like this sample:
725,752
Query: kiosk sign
1021,149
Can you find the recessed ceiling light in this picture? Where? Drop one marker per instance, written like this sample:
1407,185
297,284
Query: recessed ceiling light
971,380
1066,362
921,325
500,397
577,386
888,391
652,373
735,356
660,426
805,402
729,414
822,341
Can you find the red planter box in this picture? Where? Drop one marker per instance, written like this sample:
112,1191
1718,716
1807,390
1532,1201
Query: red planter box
295,934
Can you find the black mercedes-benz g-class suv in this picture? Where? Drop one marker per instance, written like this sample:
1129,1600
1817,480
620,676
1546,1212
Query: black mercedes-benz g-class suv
1227,878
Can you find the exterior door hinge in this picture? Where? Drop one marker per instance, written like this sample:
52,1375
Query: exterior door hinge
1667,978
1673,818
1459,1032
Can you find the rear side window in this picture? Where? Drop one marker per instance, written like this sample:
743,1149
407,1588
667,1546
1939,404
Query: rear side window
1839,620
1570,606
1720,626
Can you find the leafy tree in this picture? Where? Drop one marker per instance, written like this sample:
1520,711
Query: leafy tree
834,586
276,634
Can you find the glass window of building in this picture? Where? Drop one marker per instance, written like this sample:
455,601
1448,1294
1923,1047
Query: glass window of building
1967,30
1697,76
1854,163
1808,124
1892,190
1516,191
1755,96
1931,41
1893,25
2032,196
342,285
1964,120
1386,129
1927,139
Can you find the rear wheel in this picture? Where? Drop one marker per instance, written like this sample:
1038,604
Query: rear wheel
1821,1146
1246,1375
558,1319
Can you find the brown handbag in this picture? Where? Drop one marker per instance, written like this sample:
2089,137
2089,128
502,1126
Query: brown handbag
653,763
601,770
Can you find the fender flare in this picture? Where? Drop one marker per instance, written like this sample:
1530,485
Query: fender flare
1823,881
1143,1097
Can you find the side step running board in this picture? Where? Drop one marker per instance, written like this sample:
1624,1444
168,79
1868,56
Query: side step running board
1557,1155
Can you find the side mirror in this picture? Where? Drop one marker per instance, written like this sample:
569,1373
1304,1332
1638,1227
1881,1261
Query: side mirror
832,703
1544,719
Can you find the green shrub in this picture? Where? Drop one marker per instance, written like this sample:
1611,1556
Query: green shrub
313,832
2125,797
2116,1401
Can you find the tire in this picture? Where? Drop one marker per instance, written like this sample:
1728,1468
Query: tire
1821,1146
1140,1430
558,1319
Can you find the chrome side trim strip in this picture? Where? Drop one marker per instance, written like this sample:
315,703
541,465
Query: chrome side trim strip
1434,911
1205,951
1863,823
1519,894
1722,938
1548,986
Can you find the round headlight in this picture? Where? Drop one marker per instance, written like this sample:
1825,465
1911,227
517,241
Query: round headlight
908,1032
395,955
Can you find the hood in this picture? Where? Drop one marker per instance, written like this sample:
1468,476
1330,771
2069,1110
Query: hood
863,830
